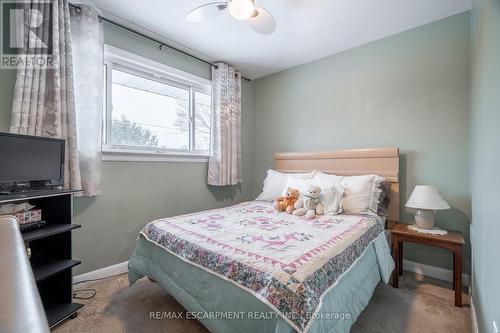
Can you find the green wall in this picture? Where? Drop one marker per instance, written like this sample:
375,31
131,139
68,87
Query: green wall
485,160
409,90
134,193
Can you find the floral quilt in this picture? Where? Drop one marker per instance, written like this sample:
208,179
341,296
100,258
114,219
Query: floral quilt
288,262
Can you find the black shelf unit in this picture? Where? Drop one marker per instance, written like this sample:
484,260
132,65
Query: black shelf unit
44,269
48,230
50,248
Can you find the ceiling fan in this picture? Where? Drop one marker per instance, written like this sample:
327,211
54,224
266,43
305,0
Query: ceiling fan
258,18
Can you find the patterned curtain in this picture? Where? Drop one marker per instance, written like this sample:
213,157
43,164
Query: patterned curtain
44,98
224,164
65,100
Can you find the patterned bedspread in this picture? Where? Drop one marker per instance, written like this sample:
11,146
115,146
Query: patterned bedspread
286,261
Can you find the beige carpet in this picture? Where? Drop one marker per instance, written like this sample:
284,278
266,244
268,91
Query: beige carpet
419,305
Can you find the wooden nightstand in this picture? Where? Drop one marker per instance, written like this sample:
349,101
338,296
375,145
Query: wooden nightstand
452,241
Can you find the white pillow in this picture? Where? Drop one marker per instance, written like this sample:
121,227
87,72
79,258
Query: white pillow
300,184
331,198
332,191
325,180
275,182
361,194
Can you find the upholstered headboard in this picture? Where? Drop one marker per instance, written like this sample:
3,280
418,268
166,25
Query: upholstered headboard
381,161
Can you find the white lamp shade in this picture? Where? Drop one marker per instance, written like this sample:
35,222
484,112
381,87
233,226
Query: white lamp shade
427,197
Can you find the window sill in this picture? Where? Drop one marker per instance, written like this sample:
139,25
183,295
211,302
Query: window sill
115,155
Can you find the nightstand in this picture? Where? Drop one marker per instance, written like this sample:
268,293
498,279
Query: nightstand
452,241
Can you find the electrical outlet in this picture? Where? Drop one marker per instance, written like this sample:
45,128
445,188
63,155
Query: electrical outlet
495,327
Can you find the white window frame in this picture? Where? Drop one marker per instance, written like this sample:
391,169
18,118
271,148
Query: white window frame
152,70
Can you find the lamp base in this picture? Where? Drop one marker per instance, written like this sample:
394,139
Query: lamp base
424,218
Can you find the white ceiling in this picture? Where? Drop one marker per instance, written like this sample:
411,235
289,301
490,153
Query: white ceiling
306,29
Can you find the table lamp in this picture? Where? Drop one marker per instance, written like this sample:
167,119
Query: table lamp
426,199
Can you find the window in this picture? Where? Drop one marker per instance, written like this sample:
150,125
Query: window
153,110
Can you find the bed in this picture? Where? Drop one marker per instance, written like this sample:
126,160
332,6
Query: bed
248,268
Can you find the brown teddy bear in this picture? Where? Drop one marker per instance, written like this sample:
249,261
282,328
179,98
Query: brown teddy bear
286,202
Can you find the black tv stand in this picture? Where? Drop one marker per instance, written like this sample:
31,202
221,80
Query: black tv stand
50,250
32,193
13,189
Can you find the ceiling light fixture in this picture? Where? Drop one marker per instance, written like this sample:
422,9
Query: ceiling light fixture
241,9
258,18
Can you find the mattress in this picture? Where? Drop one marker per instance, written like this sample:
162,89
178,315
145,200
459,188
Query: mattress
284,265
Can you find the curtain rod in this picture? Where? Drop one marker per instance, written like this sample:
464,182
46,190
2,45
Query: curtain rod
161,44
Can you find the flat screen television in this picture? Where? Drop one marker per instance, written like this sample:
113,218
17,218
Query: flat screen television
30,162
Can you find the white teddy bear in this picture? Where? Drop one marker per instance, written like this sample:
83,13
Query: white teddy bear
310,205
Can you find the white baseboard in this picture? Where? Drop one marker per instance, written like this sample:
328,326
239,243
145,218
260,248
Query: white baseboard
433,272
475,328
105,272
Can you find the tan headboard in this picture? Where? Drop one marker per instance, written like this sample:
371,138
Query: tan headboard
381,161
